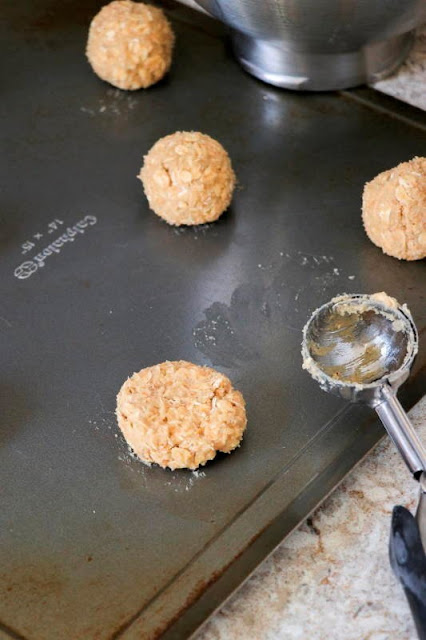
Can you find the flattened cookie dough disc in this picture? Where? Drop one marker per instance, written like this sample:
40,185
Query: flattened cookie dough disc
188,178
394,210
130,44
180,415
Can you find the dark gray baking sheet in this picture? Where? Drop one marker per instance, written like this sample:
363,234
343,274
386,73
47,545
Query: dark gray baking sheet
93,543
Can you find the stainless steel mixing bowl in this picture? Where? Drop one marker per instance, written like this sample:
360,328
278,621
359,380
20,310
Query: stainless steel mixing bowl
319,44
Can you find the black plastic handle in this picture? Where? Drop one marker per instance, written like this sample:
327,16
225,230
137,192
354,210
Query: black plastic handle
408,561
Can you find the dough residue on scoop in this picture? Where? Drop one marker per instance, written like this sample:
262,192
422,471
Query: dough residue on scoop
346,304
179,415
357,356
386,300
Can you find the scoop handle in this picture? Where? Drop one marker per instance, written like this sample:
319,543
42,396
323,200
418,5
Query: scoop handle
401,431
408,562
421,509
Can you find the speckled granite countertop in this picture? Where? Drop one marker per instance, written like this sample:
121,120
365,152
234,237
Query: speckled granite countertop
331,578
409,82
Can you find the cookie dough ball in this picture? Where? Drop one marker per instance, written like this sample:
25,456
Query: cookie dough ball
179,415
394,210
130,44
188,178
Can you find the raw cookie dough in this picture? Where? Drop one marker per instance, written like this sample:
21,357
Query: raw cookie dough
179,414
188,178
394,210
384,299
130,44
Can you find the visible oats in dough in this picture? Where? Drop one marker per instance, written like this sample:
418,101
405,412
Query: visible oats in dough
179,415
394,210
188,178
130,44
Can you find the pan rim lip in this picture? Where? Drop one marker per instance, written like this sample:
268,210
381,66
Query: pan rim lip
325,380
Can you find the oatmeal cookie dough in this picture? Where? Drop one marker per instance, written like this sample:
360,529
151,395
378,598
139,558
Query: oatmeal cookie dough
394,210
180,415
130,44
188,178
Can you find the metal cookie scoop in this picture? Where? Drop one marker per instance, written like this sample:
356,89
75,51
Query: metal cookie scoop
359,347
362,347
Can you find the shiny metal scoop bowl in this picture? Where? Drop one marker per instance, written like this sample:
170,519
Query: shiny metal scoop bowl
356,344
361,347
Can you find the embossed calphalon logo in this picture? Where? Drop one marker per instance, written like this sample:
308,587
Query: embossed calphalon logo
25,270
